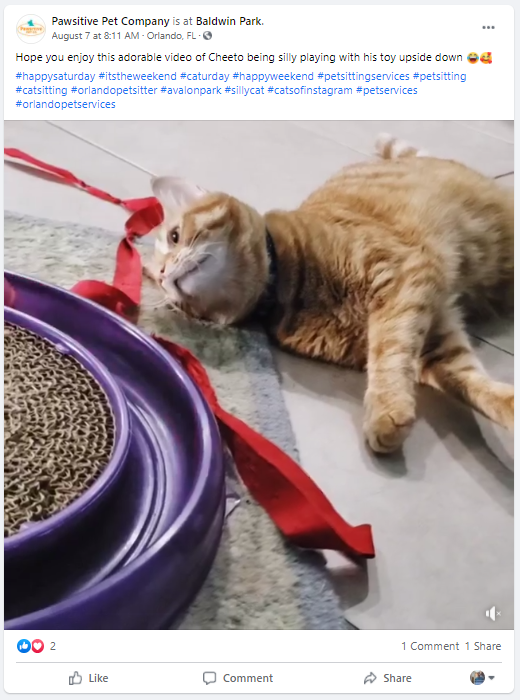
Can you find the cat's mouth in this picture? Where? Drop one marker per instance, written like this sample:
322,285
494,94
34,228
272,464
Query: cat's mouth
185,274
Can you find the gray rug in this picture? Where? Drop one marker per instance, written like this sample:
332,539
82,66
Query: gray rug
257,581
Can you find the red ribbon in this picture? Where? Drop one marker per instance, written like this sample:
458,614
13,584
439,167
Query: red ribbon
292,500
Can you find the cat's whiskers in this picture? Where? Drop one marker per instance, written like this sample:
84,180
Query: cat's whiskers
156,305
197,257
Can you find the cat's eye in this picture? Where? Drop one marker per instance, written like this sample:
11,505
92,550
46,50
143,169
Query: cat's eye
174,235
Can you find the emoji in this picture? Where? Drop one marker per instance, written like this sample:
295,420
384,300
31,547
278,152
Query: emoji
37,646
473,57
23,646
486,57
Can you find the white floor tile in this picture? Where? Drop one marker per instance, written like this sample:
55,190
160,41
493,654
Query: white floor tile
485,153
442,513
268,164
504,129
500,333
33,192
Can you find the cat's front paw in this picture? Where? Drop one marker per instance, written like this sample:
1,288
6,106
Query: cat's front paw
387,423
150,272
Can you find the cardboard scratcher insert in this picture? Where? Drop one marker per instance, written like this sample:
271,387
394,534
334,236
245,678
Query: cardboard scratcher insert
59,429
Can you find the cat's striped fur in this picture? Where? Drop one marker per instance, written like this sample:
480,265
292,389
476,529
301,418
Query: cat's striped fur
375,270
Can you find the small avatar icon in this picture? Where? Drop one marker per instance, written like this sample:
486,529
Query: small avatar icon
473,57
486,57
477,677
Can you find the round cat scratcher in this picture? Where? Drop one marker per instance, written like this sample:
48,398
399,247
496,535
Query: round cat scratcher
66,433
115,491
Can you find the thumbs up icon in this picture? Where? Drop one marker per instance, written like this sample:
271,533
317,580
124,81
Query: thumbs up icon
23,646
75,679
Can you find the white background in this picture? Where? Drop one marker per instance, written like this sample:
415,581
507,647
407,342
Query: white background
490,98
297,30
301,662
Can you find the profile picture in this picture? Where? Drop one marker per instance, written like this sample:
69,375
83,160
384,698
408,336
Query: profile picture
477,677
30,29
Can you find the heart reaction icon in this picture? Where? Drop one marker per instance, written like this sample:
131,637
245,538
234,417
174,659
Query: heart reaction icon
37,646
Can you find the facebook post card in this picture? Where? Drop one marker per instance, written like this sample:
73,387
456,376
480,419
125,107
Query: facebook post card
258,349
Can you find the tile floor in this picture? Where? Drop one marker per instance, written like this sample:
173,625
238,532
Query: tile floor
442,513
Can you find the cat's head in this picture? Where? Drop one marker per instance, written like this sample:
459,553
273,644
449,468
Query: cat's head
210,253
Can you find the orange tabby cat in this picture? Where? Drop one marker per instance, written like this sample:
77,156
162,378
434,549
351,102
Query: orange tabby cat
370,272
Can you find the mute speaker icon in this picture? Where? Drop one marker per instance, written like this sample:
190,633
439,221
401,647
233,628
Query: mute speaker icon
493,613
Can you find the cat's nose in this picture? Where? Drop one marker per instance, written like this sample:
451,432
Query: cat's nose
161,272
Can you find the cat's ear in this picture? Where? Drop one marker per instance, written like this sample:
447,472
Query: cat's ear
175,192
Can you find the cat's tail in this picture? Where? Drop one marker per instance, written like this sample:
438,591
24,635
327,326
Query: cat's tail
391,148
